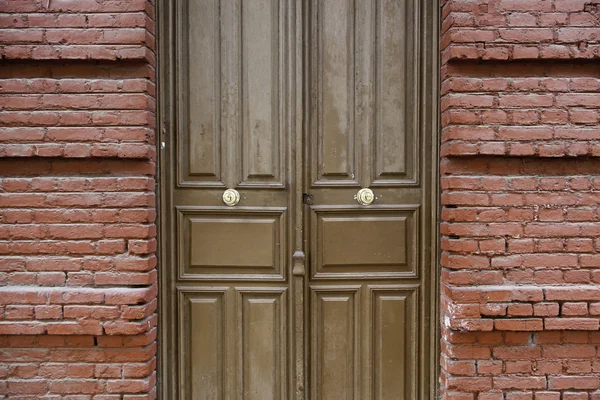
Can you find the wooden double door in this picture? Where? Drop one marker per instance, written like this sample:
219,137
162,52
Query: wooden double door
297,170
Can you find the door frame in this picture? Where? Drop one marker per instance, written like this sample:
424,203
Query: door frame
429,120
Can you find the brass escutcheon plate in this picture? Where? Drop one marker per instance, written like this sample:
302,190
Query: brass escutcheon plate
231,197
365,196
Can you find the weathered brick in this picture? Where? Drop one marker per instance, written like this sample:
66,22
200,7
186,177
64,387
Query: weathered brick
58,219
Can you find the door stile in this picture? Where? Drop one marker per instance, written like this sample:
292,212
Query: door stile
298,262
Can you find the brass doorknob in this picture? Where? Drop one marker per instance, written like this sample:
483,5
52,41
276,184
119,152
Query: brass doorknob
231,197
365,196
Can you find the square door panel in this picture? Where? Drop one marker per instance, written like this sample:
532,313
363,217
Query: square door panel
364,243
231,244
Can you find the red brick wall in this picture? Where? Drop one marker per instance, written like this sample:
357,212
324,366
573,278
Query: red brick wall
77,200
520,180
520,222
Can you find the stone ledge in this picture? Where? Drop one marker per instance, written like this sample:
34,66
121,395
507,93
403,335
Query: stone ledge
78,327
80,150
522,308
508,52
76,295
78,52
541,148
523,324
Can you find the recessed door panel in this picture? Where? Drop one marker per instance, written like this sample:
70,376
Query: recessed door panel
261,53
364,243
334,336
232,243
222,243
203,344
334,135
199,132
394,342
395,136
263,354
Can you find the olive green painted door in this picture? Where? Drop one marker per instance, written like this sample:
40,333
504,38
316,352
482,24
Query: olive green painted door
299,212
365,263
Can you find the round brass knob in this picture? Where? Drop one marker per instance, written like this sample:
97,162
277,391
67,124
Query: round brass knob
365,196
231,197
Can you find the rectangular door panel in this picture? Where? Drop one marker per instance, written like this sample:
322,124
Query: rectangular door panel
262,353
394,327
334,334
261,54
199,83
334,74
202,359
352,242
200,140
395,138
234,243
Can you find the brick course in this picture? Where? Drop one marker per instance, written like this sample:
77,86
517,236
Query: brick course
78,287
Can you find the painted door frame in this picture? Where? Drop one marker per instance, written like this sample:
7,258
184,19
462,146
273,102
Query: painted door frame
430,123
